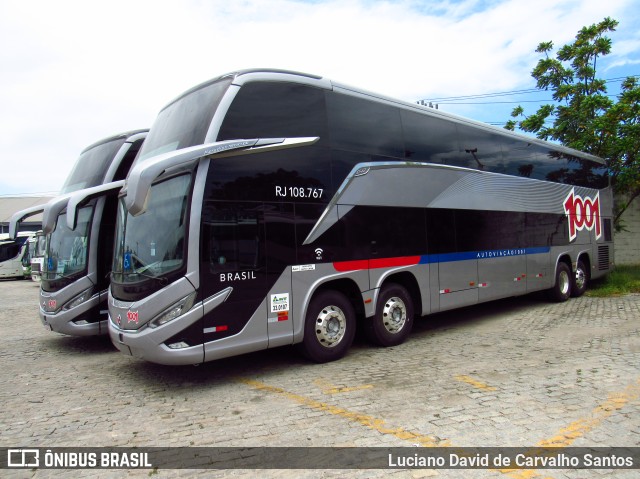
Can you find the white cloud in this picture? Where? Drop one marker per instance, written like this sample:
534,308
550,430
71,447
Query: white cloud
74,72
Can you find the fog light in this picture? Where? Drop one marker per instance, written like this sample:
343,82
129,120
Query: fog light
178,345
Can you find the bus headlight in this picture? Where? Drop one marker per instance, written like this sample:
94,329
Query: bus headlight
174,311
81,298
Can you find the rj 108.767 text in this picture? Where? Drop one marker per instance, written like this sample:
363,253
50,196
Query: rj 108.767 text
298,192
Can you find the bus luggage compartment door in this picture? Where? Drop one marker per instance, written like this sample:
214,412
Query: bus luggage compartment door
458,282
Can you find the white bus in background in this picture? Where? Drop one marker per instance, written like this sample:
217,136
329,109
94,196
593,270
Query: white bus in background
14,255
76,263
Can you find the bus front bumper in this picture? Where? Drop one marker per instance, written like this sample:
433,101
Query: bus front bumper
77,321
149,343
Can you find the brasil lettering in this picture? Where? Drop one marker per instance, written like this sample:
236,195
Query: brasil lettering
240,276
583,213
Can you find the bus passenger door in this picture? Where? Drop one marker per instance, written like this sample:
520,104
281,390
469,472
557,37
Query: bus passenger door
233,257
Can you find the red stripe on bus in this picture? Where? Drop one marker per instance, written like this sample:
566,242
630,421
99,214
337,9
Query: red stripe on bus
344,266
394,262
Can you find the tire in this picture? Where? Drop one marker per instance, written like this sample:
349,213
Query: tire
561,290
393,320
579,280
330,326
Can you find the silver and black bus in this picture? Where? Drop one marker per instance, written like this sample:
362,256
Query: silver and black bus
280,208
77,260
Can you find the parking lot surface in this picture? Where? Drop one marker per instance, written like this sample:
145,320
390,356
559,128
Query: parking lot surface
520,372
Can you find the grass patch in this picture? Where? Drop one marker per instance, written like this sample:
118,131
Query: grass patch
622,280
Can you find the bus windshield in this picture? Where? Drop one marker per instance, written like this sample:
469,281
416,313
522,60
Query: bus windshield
66,253
184,122
91,166
152,244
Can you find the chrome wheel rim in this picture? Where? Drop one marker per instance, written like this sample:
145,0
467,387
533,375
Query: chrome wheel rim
563,282
331,326
394,315
581,278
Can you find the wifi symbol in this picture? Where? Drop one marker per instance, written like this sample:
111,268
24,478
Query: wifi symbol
319,253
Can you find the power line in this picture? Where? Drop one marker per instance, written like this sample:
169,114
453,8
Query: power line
455,100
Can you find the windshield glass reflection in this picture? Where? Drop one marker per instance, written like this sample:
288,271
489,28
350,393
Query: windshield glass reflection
152,244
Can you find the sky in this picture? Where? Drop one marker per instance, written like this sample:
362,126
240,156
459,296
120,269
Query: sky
75,72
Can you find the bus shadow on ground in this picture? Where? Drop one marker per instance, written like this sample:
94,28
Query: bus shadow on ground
80,345
271,361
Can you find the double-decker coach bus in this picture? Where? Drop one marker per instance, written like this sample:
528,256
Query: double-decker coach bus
279,208
77,260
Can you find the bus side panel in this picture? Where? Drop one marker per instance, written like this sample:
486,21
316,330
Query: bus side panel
279,311
539,274
457,281
502,277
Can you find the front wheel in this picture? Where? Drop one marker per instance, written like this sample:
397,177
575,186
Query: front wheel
393,320
561,291
329,328
580,280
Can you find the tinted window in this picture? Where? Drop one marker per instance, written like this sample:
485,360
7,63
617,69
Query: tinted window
441,231
568,169
377,231
480,150
91,166
366,126
429,139
297,174
489,230
275,110
184,122
523,158
342,162
545,229
233,237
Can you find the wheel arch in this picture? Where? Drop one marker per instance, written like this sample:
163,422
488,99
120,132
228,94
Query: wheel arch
346,286
410,283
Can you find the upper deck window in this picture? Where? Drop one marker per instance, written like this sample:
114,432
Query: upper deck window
275,110
91,166
184,122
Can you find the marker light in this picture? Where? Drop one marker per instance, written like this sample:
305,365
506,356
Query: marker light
174,311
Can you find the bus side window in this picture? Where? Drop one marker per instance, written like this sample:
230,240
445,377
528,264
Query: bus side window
233,238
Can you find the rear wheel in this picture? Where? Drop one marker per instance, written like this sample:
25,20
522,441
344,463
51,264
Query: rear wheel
393,320
561,291
330,326
580,280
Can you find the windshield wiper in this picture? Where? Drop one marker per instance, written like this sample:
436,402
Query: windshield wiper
60,275
162,279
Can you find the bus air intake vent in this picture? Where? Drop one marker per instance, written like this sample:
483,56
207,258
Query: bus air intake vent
603,257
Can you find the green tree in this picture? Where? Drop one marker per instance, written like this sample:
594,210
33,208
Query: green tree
583,116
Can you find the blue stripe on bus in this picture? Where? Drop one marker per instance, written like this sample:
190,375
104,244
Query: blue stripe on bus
485,254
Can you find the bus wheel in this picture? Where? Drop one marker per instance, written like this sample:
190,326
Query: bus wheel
393,320
562,288
330,326
580,280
